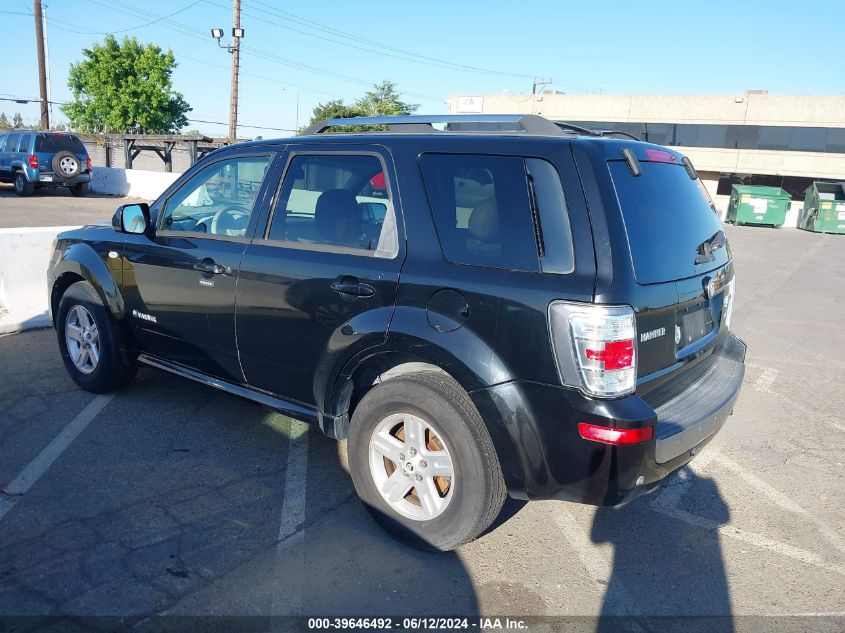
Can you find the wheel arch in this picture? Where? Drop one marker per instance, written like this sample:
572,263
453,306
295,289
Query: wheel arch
403,356
80,262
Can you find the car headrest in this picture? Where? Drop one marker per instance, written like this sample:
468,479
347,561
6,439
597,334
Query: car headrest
337,216
484,221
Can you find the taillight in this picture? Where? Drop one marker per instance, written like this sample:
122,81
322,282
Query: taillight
88,163
33,161
728,303
602,340
608,435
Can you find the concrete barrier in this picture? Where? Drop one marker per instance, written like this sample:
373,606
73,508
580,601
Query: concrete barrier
138,183
24,258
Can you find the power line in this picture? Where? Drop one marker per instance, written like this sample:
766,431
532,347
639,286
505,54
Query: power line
132,28
256,127
433,61
257,76
257,52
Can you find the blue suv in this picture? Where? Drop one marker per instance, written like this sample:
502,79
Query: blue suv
32,160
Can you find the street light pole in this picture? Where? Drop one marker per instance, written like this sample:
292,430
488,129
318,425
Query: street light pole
296,125
236,61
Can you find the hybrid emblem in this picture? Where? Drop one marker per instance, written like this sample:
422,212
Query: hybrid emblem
144,317
652,334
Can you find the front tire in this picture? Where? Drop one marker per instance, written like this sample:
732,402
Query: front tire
22,186
89,341
423,463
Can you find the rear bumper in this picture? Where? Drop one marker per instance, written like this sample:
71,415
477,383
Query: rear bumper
52,180
534,428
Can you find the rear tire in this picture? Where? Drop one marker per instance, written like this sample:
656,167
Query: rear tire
448,510
89,341
22,186
80,190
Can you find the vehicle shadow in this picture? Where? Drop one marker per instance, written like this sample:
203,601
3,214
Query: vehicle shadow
169,506
667,573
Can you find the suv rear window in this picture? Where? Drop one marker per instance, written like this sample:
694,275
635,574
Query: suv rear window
482,210
59,143
667,216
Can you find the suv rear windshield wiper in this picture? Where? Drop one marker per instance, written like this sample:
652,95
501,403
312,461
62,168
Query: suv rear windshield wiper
706,248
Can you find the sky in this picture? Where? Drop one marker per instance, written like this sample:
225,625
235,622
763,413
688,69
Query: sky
312,52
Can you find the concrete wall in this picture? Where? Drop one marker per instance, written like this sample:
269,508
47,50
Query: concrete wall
24,258
137,183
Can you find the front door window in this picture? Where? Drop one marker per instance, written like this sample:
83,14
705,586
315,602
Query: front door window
219,199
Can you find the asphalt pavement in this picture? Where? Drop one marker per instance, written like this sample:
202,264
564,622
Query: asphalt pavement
171,498
55,207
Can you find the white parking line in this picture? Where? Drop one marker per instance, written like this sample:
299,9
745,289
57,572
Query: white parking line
765,380
38,466
290,548
781,500
667,501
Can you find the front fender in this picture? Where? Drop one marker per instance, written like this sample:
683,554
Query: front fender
81,260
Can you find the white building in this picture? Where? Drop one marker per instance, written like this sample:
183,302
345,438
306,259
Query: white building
751,138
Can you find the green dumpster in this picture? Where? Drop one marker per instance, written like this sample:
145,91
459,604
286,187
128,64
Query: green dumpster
824,208
758,205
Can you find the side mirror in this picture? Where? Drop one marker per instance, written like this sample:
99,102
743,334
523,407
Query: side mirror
132,218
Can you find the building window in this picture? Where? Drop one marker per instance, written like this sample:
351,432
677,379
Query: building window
808,139
774,137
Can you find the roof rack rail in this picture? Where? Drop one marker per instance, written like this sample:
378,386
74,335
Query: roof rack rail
589,132
618,133
528,123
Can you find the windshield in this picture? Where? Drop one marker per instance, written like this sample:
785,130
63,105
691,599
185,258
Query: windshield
59,143
667,217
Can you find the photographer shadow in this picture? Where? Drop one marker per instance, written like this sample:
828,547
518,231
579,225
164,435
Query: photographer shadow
667,573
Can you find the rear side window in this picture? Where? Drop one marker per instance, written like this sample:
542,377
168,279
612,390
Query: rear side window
11,143
667,217
499,211
59,143
482,210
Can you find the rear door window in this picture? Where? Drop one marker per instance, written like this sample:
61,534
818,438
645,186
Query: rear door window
667,217
23,146
336,200
59,143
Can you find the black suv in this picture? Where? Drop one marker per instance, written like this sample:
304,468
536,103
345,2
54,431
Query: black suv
505,306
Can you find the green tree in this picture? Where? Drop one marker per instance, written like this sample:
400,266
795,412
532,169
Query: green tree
4,122
382,100
122,85
17,120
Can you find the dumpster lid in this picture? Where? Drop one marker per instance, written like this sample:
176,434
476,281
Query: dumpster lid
760,191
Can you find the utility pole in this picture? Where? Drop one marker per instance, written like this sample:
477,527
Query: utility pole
236,61
42,65
47,60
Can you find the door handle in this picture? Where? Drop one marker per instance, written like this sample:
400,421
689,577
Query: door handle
352,287
210,267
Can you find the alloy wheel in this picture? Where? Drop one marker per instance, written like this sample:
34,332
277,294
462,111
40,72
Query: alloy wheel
411,466
82,338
